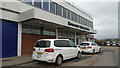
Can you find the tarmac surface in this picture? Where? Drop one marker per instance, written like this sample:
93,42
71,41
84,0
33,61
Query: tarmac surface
108,57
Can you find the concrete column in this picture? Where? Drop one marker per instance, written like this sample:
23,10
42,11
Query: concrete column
75,38
19,39
56,33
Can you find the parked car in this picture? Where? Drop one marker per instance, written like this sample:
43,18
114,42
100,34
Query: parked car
90,47
55,50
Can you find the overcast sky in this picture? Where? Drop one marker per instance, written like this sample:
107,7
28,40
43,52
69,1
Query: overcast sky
104,14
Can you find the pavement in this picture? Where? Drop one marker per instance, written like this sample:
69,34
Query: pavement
12,61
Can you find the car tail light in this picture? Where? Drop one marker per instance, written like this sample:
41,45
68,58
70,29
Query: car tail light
89,47
33,49
49,50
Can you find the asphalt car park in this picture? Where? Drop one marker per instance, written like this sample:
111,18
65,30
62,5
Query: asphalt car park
107,57
86,60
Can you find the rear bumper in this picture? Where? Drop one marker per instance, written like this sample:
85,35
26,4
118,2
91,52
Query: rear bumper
47,58
87,50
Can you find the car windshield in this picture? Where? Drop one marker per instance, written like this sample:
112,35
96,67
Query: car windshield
43,44
84,44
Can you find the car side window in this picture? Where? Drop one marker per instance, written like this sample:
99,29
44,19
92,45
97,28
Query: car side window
72,44
93,44
96,44
61,43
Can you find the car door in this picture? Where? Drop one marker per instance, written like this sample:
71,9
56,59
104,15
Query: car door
97,47
94,47
65,48
73,48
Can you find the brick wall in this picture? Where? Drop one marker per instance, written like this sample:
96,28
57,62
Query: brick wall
28,41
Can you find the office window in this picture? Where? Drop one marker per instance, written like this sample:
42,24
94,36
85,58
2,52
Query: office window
27,1
35,30
82,21
52,7
46,5
85,22
68,14
58,10
75,17
72,15
78,18
91,24
52,33
45,32
38,3
64,12
26,29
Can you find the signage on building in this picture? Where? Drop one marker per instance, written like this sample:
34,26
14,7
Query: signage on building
78,26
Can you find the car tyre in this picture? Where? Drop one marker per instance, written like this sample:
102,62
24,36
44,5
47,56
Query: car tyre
78,55
99,50
36,61
93,52
59,61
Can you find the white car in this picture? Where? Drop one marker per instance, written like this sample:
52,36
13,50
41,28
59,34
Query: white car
90,47
55,50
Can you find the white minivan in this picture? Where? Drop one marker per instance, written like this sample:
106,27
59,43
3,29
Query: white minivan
55,50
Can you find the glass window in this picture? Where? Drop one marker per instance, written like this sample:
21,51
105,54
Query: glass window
68,13
28,1
35,30
75,17
45,32
85,21
64,12
62,43
84,44
72,15
37,3
72,44
52,33
52,7
26,29
82,21
58,10
43,44
93,44
46,5
78,18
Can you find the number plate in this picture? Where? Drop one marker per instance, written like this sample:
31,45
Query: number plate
83,47
39,54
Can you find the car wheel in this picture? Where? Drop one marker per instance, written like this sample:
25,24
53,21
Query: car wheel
59,61
99,50
78,55
36,61
93,52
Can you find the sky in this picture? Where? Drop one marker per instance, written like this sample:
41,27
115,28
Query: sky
104,14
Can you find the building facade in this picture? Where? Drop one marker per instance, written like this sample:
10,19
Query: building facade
23,22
